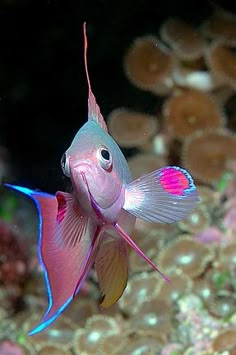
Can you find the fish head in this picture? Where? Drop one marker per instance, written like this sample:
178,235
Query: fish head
97,168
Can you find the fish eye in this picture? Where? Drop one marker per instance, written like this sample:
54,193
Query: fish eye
105,158
65,165
105,154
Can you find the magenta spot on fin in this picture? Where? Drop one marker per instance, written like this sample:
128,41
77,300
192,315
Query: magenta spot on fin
176,181
61,207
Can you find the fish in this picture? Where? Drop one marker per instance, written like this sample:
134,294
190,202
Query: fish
91,226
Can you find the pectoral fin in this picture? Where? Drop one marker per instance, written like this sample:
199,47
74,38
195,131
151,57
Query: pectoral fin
166,195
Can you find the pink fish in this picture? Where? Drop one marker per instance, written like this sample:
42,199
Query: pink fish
91,226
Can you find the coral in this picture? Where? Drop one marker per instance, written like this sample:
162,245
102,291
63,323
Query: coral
61,332
81,309
209,198
139,289
161,231
196,326
225,341
172,349
203,289
193,79
97,329
187,254
141,345
229,220
221,26
188,111
205,154
222,306
227,256
141,164
131,129
14,269
52,349
221,61
217,289
149,64
210,235
8,347
186,42
196,221
153,319
180,284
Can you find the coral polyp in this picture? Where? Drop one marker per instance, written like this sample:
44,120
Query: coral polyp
187,43
188,255
206,153
140,288
97,329
181,284
149,64
196,221
131,129
190,111
221,26
222,60
225,341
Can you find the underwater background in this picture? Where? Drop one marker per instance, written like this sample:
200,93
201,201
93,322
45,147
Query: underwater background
164,76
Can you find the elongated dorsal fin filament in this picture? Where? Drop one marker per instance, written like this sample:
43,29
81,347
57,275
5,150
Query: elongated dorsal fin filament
94,113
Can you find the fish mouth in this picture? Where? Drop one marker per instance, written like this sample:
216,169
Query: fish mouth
92,200
86,175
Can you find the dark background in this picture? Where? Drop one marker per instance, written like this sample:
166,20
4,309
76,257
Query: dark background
43,89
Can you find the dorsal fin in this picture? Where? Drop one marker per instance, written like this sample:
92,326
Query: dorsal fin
94,113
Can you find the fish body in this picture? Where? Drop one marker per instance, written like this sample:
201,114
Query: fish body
91,225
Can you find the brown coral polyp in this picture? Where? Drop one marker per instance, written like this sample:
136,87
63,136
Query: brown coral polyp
221,26
221,60
209,198
186,42
149,64
221,306
142,164
196,221
205,154
140,288
225,341
153,319
180,284
52,349
141,345
131,129
62,331
188,255
228,256
98,328
189,111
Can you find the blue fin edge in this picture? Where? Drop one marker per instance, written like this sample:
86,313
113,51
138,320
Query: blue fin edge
31,193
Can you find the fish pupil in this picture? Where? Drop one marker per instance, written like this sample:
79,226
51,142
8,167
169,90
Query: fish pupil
63,161
105,154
